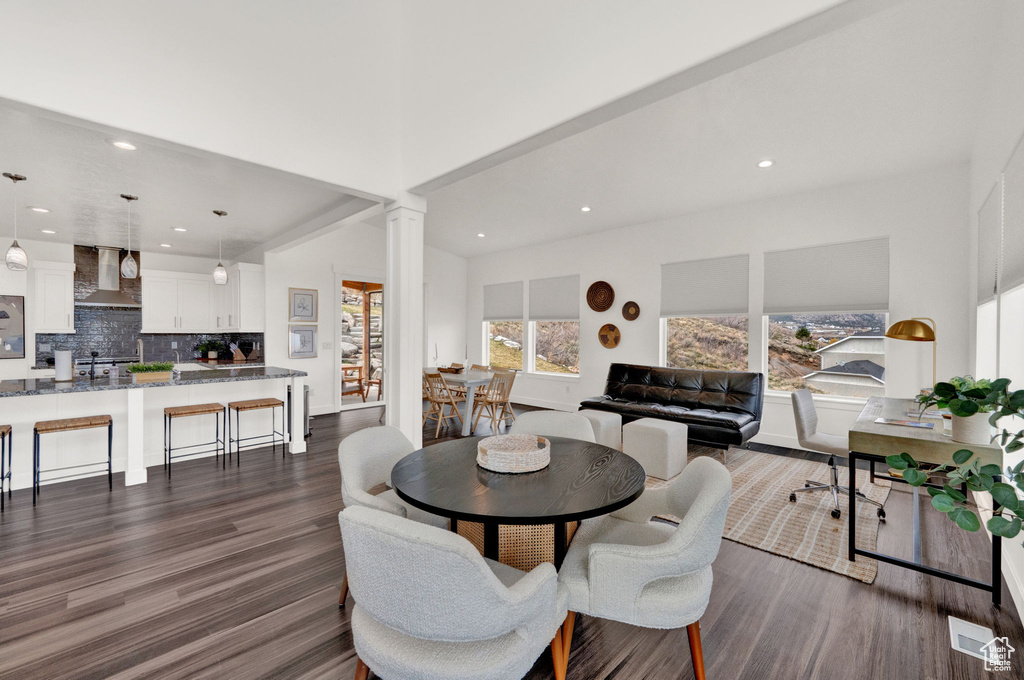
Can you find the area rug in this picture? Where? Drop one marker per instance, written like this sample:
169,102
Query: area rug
761,515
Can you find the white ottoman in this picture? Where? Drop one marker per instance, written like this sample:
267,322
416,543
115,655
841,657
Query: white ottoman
607,427
659,445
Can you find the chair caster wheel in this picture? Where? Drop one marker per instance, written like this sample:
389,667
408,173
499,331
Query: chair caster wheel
792,498
806,485
881,513
835,513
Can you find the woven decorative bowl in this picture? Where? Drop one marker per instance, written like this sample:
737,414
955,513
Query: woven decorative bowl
600,296
513,453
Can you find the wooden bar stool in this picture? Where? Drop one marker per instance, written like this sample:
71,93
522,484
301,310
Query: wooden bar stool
254,405
68,425
173,412
6,446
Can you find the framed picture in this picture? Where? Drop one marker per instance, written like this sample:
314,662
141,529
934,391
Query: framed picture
302,304
301,342
12,327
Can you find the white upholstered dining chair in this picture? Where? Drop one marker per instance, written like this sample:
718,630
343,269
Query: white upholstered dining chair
626,567
553,424
428,606
366,458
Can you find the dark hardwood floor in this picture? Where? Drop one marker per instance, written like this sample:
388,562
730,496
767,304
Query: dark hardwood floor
234,574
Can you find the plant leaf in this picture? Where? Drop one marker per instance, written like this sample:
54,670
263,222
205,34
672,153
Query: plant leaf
1001,384
975,393
991,469
896,462
944,389
942,502
953,493
1016,401
1000,526
962,456
914,477
1005,495
965,519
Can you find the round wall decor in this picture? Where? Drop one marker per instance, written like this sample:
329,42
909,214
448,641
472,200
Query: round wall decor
609,336
600,296
630,311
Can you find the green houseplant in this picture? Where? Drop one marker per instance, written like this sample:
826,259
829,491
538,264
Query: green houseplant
998,402
155,371
969,400
209,347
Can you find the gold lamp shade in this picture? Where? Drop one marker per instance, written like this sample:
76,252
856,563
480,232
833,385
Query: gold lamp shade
911,329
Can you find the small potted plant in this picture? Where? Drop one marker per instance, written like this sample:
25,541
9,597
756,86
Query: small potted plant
209,347
157,371
971,402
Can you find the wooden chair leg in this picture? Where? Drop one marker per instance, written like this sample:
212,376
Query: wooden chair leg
696,653
344,592
570,622
558,656
362,670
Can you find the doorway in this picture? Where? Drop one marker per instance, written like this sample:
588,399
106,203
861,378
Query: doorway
361,343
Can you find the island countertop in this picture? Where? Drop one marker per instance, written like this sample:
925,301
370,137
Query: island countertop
124,381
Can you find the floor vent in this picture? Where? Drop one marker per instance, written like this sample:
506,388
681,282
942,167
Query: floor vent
968,637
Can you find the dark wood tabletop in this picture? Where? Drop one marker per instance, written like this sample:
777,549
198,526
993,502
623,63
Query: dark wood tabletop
583,480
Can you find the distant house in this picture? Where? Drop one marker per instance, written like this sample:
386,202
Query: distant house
852,367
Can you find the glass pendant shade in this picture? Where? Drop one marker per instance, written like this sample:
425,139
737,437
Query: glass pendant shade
17,258
129,267
220,275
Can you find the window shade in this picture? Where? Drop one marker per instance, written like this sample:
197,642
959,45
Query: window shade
719,285
839,277
1011,273
556,299
503,301
990,226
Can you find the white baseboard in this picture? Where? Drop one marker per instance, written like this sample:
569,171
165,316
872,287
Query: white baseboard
545,403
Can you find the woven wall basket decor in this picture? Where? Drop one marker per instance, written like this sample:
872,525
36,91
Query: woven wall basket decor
630,311
609,336
600,296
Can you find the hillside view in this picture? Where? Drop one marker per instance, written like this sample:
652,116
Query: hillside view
558,345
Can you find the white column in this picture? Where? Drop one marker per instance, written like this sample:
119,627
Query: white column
135,468
403,316
296,439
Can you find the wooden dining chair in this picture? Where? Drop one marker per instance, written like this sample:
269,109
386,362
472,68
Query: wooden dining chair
350,385
496,399
440,396
478,367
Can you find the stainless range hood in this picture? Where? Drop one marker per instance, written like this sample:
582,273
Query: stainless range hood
109,293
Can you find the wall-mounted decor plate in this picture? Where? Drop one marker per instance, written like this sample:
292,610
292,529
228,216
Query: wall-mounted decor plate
600,296
609,336
630,311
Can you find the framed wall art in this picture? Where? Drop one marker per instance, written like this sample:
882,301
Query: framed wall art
302,305
12,327
301,342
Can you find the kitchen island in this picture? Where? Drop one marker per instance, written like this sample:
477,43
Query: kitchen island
137,412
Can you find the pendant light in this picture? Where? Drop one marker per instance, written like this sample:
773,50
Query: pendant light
17,258
220,274
129,267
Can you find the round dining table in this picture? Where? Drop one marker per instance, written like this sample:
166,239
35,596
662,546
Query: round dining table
583,480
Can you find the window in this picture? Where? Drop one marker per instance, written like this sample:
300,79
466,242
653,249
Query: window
556,347
505,344
841,354
706,342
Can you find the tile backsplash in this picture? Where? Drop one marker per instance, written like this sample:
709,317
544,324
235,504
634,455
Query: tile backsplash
113,333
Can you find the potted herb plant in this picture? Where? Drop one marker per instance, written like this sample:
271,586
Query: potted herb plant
209,347
1008,515
157,371
971,403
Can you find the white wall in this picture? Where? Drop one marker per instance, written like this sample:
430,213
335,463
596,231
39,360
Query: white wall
1000,129
356,251
924,214
306,87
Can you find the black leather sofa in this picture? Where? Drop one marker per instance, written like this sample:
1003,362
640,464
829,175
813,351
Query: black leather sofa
720,408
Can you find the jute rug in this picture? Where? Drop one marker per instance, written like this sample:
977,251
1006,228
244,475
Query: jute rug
761,516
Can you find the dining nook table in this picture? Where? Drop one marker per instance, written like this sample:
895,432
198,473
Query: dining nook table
469,379
524,518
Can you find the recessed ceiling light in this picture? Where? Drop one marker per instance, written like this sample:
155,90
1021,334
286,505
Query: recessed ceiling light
766,163
165,245
481,235
585,208
42,210
48,231
180,229
127,146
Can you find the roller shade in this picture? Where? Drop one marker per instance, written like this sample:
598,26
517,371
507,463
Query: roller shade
990,227
1011,273
719,285
503,301
555,299
839,277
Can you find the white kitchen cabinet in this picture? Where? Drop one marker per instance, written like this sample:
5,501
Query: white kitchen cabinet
54,297
241,301
176,302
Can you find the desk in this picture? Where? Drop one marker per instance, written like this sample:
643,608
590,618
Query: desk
469,379
583,480
873,441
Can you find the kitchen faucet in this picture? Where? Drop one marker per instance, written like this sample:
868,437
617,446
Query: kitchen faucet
92,365
138,349
177,357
